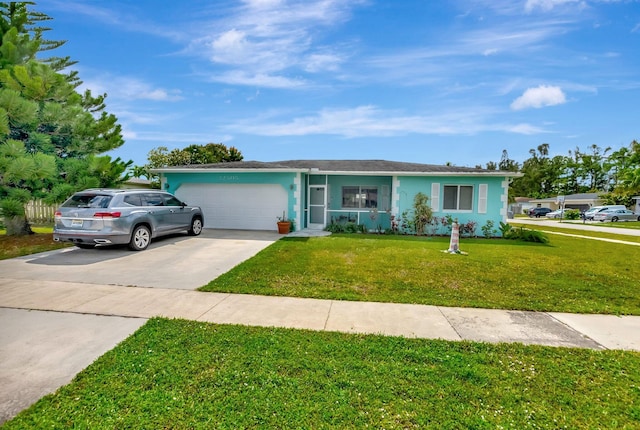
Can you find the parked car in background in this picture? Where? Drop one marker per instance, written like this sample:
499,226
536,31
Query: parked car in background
614,215
108,217
555,214
538,212
589,213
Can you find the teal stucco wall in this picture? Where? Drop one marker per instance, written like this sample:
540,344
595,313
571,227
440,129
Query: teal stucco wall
406,188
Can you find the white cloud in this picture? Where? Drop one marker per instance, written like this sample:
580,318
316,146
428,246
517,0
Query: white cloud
547,5
457,57
229,41
126,88
120,18
238,77
371,121
527,129
257,4
322,62
270,37
538,97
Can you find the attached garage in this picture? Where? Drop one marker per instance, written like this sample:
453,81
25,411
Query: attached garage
237,206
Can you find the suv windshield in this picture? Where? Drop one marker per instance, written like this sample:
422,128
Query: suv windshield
88,201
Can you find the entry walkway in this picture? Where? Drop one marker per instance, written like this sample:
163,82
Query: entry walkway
419,321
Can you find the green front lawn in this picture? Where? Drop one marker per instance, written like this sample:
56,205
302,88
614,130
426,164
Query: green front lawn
569,275
174,374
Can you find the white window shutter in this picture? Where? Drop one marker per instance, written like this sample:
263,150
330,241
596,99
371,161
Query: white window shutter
435,197
483,190
385,201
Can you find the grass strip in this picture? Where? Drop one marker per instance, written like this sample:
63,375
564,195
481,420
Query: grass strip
585,232
569,275
17,246
187,375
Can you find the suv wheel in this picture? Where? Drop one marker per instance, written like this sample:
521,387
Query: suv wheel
140,238
196,227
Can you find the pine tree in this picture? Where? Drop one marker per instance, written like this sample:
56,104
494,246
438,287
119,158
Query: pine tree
51,137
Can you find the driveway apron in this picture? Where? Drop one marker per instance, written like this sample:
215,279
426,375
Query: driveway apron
175,262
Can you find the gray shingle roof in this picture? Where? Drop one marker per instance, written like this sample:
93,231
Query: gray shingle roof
372,166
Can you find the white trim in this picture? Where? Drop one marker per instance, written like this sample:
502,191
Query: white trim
331,172
385,198
401,173
228,170
505,200
297,201
435,196
483,191
395,196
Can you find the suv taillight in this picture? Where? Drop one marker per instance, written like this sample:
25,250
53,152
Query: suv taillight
58,214
107,215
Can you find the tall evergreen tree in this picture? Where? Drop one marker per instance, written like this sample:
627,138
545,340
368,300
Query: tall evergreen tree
51,137
17,20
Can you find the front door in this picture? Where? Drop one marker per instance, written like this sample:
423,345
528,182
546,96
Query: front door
317,207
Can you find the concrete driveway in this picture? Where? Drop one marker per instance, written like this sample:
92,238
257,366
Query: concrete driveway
41,351
176,262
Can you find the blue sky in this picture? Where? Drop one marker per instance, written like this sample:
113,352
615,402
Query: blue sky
413,80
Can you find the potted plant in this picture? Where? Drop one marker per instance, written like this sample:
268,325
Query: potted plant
285,225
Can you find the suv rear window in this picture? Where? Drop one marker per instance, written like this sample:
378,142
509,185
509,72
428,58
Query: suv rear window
88,201
133,200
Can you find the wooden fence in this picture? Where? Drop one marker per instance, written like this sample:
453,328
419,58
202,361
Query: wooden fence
39,212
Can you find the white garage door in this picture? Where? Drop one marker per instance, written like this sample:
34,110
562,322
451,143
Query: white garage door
237,206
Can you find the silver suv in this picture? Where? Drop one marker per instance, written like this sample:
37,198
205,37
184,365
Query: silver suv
108,217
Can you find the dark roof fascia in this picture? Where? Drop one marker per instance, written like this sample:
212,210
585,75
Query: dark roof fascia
346,168
225,170
426,173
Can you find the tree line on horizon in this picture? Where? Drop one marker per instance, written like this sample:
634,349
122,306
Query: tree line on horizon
615,175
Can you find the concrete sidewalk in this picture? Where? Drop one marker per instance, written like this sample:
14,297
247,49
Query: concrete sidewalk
420,321
50,330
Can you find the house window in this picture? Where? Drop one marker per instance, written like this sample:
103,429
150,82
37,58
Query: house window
458,197
359,197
